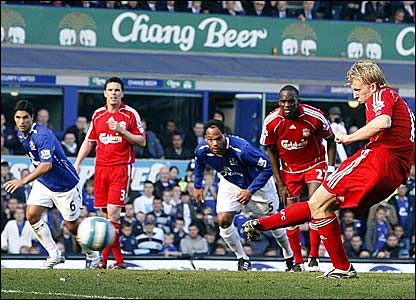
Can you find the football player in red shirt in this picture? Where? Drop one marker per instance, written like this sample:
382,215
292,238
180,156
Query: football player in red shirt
293,134
116,128
368,177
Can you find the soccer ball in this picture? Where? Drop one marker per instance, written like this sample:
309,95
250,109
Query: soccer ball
96,233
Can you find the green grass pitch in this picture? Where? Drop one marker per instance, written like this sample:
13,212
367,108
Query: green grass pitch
172,284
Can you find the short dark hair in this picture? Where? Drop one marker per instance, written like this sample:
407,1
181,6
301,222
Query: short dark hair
177,133
5,164
69,132
148,181
290,88
165,123
180,218
24,105
114,79
348,226
220,113
214,123
173,167
193,224
381,207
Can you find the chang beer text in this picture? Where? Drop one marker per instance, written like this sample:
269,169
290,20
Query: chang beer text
217,33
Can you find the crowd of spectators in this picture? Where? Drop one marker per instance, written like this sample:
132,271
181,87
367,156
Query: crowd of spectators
165,220
167,143
372,11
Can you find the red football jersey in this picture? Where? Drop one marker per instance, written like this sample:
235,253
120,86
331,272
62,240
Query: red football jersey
400,137
299,141
112,148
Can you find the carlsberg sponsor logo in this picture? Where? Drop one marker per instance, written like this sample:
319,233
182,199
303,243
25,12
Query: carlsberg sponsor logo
295,145
110,139
216,30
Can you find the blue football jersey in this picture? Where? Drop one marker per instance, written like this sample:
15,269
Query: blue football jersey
41,145
241,164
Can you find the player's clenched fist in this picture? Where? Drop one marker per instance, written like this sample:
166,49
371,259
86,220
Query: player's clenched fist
341,138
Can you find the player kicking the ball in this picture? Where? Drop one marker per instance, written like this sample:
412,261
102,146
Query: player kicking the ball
55,181
369,176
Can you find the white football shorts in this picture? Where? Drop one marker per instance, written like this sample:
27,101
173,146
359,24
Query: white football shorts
264,202
68,203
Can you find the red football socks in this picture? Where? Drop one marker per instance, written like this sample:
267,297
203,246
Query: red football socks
330,234
297,213
116,248
314,241
104,254
293,235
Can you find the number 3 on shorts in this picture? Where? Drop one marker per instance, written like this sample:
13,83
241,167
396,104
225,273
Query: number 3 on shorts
123,195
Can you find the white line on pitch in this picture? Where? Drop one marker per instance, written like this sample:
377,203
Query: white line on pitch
63,294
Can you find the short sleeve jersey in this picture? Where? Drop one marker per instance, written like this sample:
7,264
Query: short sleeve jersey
112,147
241,164
400,137
299,141
41,145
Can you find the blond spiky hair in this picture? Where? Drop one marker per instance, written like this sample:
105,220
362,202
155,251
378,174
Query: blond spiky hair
367,72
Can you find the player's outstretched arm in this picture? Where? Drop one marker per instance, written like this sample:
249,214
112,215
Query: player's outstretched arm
12,185
83,152
371,129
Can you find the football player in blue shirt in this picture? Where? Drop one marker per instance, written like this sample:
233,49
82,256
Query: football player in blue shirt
55,181
246,178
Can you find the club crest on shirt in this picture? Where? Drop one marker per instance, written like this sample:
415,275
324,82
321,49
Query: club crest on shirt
45,154
32,145
122,124
378,106
306,132
233,161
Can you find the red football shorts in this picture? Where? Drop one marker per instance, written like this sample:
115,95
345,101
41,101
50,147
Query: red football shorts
366,178
296,181
111,185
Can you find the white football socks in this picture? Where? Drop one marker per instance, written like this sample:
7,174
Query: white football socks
43,233
281,238
231,237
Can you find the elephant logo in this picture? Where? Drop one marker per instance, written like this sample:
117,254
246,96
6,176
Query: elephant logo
364,42
77,29
299,39
12,27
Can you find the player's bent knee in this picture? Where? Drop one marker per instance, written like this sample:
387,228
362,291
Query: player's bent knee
279,233
72,226
33,219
